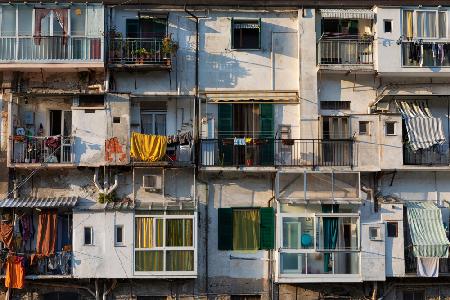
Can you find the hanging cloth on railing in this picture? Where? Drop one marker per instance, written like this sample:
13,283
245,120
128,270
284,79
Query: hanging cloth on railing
61,15
39,14
424,131
15,272
47,232
149,148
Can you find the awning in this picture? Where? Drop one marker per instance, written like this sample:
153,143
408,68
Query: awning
252,96
423,130
347,14
31,202
427,230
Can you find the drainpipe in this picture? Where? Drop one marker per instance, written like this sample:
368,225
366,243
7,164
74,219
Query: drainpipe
106,292
97,291
105,190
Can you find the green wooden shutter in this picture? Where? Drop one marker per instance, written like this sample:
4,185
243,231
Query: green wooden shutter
267,229
266,125
225,231
225,128
232,33
259,41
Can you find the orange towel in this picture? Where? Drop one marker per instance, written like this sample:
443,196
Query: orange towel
15,272
149,148
47,233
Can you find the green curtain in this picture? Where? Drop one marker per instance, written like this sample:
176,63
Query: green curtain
159,232
149,261
180,260
246,229
144,232
179,233
330,232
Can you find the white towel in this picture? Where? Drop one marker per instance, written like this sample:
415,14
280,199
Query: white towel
428,266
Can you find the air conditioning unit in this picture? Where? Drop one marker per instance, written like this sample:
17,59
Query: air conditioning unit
375,233
152,183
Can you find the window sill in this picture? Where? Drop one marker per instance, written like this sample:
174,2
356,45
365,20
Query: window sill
87,107
252,50
120,245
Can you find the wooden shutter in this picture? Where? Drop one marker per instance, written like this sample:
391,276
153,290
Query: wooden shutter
225,128
267,229
225,231
266,125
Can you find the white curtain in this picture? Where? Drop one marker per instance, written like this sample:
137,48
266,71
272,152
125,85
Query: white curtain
426,24
95,21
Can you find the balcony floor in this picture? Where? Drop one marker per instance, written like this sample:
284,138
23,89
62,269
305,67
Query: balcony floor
41,165
142,67
36,66
365,68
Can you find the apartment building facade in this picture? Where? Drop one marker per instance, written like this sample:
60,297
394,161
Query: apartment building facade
238,151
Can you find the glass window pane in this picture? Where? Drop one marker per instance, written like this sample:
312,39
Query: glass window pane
346,185
408,24
144,232
45,26
246,229
180,260
442,24
160,124
77,20
318,186
149,261
298,233
159,233
26,18
8,20
147,123
426,24
58,29
179,233
293,263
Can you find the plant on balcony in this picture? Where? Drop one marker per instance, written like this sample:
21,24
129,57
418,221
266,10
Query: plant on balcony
141,54
106,198
169,47
115,40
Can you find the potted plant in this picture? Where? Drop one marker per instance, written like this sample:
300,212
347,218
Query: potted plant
141,54
168,48
115,41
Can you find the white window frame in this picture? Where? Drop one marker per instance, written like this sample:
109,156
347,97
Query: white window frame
394,123
415,24
164,248
313,277
91,229
384,25
153,113
367,133
116,243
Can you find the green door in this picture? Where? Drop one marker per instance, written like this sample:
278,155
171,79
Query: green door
225,128
266,125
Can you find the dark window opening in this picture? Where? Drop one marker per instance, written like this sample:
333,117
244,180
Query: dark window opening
119,234
390,128
91,101
334,105
245,297
61,296
387,26
413,295
116,120
246,34
146,26
363,128
392,229
88,236
339,27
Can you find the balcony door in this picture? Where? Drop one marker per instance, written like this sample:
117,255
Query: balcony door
253,120
61,125
336,149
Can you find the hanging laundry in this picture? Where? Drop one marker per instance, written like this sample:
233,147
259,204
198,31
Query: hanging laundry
15,272
149,148
6,234
47,232
183,138
428,266
53,142
239,141
248,141
27,227
441,53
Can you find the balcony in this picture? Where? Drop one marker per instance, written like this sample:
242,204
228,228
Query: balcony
51,49
226,152
142,53
425,54
34,151
350,53
437,155
179,155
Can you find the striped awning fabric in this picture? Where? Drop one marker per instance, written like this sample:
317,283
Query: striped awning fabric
347,14
31,202
252,96
424,131
427,230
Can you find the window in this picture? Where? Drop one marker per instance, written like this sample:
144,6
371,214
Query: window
335,105
91,101
245,297
118,235
364,127
246,34
246,228
413,295
88,236
424,24
374,233
298,233
153,122
146,26
392,229
390,128
164,241
387,26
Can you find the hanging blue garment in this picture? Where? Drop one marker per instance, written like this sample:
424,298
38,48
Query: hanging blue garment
330,233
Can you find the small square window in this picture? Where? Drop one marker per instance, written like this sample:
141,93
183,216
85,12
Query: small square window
246,34
116,120
118,235
374,233
364,128
88,236
387,26
392,229
390,128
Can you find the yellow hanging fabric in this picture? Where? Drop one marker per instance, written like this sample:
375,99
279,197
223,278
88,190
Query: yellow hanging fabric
144,232
409,24
149,148
246,229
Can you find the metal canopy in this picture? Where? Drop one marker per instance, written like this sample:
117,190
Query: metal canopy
347,14
31,202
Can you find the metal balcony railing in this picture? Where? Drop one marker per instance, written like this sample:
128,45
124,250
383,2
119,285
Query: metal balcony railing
277,152
137,51
178,155
43,150
345,51
425,54
63,49
436,155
